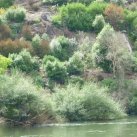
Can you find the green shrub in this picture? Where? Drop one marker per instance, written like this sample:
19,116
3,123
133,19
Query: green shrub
38,79
72,16
87,103
24,62
56,71
16,14
134,62
75,65
132,97
62,47
77,80
99,23
130,17
21,102
36,41
111,83
77,16
49,58
96,8
2,20
4,63
134,28
6,3
132,110
135,46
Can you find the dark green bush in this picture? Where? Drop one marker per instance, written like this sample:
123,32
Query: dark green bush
62,47
24,62
77,16
75,65
111,83
132,102
21,102
60,2
56,71
87,103
16,14
133,106
6,3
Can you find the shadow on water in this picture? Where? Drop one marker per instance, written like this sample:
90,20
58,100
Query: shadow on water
118,128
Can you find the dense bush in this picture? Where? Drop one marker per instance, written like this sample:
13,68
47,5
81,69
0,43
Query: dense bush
75,65
56,71
20,101
87,103
77,16
62,47
96,8
49,58
132,97
6,3
13,46
111,83
77,80
60,2
4,63
100,49
129,18
40,46
24,62
16,14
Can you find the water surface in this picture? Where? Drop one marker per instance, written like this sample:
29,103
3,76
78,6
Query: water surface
119,128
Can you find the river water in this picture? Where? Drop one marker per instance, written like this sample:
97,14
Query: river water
118,128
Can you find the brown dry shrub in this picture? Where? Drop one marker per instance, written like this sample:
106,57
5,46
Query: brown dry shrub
42,49
5,31
14,46
114,15
27,32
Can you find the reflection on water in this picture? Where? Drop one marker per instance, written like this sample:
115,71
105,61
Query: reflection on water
119,128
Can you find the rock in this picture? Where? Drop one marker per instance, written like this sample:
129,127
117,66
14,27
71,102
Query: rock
38,28
46,16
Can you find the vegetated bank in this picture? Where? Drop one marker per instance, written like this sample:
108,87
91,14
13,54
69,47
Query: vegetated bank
60,74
